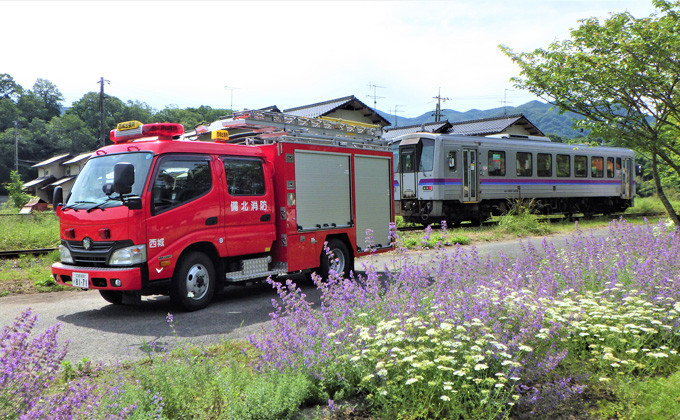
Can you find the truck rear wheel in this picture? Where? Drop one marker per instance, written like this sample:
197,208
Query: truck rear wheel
193,283
112,296
337,259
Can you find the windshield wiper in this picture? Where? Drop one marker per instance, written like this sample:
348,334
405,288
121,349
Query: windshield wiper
99,206
73,206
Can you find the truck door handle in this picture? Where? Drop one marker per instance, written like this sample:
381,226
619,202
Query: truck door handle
265,217
210,221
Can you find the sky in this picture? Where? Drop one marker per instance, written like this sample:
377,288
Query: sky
396,55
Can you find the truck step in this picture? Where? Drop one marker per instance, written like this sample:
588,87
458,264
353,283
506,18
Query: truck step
256,268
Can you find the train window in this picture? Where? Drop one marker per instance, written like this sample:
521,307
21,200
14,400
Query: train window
596,167
524,167
563,165
407,159
610,167
618,168
496,163
544,164
427,155
452,161
581,166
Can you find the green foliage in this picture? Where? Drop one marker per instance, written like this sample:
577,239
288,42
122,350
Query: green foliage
14,189
521,219
655,398
620,76
192,384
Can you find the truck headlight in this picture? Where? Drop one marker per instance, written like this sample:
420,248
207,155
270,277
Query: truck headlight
65,255
131,255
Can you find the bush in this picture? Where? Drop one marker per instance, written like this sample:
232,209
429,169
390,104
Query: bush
521,219
15,190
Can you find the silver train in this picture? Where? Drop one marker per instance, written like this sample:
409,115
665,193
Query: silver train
462,178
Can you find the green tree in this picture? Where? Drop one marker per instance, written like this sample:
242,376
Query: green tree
70,135
43,101
15,190
87,109
9,88
622,76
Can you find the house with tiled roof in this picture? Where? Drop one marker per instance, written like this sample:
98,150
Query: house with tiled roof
56,171
506,125
348,108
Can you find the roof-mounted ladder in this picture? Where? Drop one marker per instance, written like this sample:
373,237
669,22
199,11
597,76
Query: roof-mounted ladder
274,126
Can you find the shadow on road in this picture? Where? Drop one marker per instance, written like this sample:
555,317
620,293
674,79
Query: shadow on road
237,308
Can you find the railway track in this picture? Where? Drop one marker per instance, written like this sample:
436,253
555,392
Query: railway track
19,252
45,251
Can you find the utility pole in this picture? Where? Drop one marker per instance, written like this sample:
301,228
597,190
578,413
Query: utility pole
231,101
375,95
438,110
102,114
16,146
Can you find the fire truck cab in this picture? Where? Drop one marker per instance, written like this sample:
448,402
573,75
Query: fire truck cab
162,212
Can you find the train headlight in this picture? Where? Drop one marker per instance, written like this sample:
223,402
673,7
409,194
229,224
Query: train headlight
65,255
131,255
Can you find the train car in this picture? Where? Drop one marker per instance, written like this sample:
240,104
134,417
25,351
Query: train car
463,178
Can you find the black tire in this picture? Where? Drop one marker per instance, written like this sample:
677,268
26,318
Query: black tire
339,259
193,283
112,296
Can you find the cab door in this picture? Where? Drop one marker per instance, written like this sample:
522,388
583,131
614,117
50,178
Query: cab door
249,205
626,178
408,168
183,208
470,181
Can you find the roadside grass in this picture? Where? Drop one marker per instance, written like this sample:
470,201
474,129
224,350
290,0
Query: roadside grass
34,231
28,274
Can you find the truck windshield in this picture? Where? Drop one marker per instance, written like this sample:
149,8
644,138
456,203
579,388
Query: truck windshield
98,171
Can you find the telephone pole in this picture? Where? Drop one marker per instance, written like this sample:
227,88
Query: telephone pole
438,110
375,95
16,146
102,114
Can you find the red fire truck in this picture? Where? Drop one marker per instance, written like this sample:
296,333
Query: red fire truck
161,211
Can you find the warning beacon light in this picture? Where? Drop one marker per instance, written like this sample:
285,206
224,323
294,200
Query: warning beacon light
133,130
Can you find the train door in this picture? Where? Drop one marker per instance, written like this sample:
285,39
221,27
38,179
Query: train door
408,163
626,178
469,175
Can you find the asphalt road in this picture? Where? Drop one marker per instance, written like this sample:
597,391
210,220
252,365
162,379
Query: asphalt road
103,332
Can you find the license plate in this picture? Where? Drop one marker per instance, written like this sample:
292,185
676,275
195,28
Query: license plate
80,280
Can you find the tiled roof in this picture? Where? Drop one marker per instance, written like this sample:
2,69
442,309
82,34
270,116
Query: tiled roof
39,182
489,126
52,160
78,158
348,102
431,127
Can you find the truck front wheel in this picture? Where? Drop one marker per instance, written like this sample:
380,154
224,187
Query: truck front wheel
193,283
336,258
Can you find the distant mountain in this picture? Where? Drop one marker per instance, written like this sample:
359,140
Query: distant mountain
543,116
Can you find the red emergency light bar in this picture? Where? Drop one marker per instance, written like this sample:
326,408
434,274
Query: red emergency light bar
132,130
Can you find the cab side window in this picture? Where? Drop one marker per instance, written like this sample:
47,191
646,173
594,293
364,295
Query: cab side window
244,176
179,180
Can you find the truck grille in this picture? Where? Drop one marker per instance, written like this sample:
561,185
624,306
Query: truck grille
96,256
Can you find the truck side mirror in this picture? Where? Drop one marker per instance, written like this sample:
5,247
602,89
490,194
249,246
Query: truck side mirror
57,197
123,178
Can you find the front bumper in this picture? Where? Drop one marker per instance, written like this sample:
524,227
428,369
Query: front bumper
100,277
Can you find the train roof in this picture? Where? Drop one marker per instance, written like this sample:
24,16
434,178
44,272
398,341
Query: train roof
508,142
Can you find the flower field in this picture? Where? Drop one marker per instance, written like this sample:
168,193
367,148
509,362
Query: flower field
459,337
471,338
